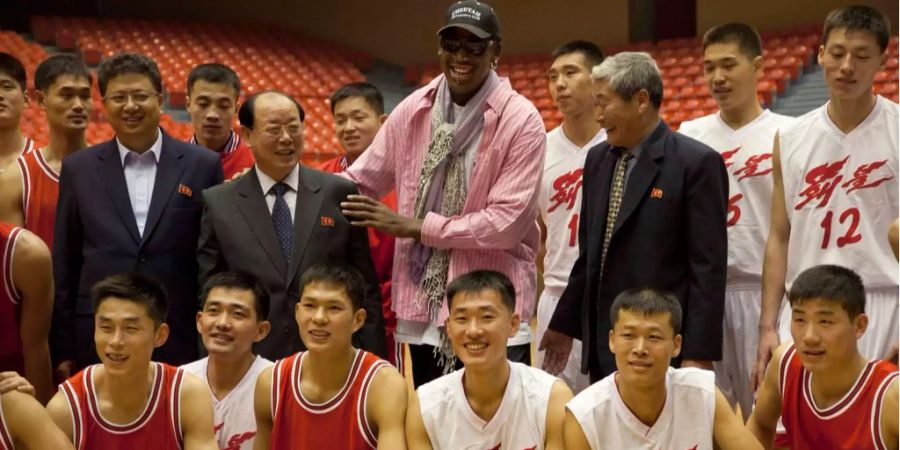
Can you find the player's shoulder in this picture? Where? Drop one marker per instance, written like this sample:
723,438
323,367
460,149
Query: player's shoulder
780,121
533,375
889,108
693,379
696,126
440,391
803,123
196,368
599,395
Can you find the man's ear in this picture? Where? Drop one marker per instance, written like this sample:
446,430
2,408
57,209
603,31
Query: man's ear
677,350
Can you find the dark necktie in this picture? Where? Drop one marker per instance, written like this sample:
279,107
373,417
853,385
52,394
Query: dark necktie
281,218
616,192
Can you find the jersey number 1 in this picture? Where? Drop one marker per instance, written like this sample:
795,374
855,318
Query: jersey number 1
850,237
573,227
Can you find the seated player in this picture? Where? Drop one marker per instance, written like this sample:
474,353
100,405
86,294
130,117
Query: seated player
127,401
331,396
647,404
24,424
491,403
827,394
234,308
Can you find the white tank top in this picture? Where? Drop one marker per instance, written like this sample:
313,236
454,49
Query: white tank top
748,159
560,205
235,421
686,421
520,421
841,193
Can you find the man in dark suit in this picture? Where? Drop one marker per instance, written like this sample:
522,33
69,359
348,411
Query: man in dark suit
129,204
653,215
281,218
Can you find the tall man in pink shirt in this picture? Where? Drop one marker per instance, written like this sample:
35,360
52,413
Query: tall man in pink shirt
465,154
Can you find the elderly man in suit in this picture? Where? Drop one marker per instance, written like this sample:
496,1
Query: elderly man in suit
653,215
131,203
279,219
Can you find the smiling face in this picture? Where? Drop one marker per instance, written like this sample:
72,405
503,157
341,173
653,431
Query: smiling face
465,70
850,60
125,335
67,103
824,334
620,117
731,75
356,124
212,107
133,107
228,323
479,326
643,345
570,84
276,139
327,319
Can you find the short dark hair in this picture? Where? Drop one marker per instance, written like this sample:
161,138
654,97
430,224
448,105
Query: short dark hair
12,67
339,276
243,281
214,73
648,302
126,63
859,18
134,287
831,283
58,65
479,280
361,89
589,50
246,113
745,36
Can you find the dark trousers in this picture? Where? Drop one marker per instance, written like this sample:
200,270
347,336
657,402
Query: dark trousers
425,365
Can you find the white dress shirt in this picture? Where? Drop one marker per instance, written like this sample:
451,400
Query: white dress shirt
290,196
140,177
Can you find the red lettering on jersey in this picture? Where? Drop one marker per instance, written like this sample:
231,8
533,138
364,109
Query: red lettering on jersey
218,427
821,182
861,176
751,167
566,187
726,156
497,447
694,447
234,442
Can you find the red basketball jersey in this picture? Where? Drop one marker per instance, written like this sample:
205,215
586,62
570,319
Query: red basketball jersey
157,428
40,193
10,340
853,423
337,424
236,156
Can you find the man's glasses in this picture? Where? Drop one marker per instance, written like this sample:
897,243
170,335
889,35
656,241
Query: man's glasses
474,48
138,97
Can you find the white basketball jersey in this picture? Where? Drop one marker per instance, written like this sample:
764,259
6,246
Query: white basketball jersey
560,205
520,422
685,423
235,422
841,193
748,159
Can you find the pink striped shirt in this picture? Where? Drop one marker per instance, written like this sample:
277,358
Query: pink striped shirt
497,229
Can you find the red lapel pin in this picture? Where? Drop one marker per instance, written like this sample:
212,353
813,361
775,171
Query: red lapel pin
184,190
327,221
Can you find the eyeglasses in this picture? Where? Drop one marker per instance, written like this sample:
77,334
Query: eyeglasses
474,48
276,131
138,97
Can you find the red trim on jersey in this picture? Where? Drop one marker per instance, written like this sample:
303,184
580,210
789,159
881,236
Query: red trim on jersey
149,408
276,387
234,140
75,412
28,147
783,368
845,401
39,156
328,405
877,435
7,265
6,442
26,183
175,407
362,418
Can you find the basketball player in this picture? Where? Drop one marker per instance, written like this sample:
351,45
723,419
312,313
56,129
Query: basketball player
491,403
646,403
24,424
13,101
29,192
827,393
833,202
742,132
212,96
234,307
26,303
332,395
560,198
127,401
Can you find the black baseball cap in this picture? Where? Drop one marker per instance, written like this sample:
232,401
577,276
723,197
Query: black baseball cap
473,16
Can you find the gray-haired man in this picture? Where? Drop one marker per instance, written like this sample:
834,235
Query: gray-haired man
655,218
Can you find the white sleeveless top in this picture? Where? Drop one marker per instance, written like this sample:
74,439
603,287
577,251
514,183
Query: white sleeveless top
841,193
686,421
235,421
520,421
748,160
559,203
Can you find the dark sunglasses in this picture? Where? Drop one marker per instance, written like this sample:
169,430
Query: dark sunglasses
474,48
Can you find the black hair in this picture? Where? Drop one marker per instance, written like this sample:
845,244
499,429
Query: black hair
134,287
12,67
746,37
647,302
214,73
831,283
479,280
589,50
58,65
243,281
361,89
128,63
859,18
246,112
340,276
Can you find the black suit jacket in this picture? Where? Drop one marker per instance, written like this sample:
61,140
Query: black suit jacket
237,234
96,235
669,234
